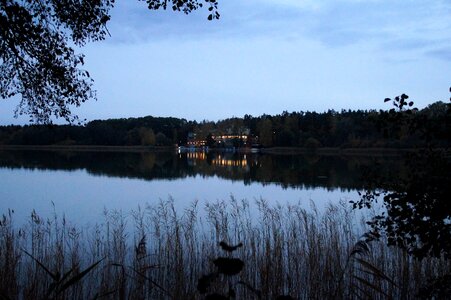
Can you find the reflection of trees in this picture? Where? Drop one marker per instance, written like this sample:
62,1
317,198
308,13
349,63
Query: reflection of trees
289,171
148,161
418,211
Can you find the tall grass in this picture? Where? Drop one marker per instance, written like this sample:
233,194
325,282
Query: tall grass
159,252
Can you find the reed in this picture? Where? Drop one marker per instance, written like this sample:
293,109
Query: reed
160,252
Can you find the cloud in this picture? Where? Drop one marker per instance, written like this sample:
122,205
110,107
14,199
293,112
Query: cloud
333,23
440,53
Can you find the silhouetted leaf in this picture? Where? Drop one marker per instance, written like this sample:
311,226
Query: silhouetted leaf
79,276
150,280
375,271
205,281
228,248
54,276
361,247
229,266
371,285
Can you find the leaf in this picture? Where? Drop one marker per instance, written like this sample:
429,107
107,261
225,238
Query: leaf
66,274
79,276
369,284
229,266
375,270
204,282
228,248
54,276
361,247
55,285
355,287
151,281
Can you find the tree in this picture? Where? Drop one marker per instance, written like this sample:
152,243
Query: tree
147,136
265,131
162,140
37,60
418,211
210,141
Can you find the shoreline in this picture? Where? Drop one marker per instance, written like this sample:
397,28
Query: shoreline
338,151
273,151
87,148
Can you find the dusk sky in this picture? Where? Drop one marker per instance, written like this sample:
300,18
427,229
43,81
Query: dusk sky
267,56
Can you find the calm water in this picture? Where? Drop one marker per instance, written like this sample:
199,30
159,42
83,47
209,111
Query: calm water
81,185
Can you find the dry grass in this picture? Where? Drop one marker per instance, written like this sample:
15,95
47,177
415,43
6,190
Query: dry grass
159,252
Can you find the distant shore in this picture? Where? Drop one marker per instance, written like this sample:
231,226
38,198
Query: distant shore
337,151
274,150
94,148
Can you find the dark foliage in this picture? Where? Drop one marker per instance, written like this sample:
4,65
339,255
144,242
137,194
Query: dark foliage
345,129
438,288
418,211
229,266
37,60
205,281
418,208
226,247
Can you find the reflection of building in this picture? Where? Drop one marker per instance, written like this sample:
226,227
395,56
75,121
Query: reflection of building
227,162
194,157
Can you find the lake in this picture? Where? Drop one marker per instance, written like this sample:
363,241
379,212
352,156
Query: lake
134,243
80,185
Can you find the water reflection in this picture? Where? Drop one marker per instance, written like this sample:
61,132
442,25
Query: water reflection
288,171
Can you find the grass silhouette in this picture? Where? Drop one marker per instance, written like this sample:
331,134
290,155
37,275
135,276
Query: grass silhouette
159,252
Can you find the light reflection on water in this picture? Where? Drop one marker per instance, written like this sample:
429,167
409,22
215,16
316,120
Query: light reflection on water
82,184
82,197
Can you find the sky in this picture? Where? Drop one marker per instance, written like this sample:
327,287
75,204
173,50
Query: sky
266,57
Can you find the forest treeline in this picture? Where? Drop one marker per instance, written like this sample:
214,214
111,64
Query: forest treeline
347,129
